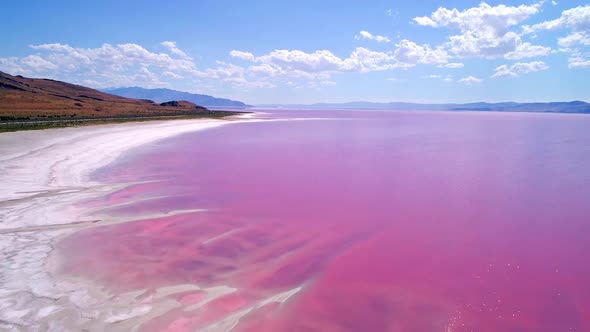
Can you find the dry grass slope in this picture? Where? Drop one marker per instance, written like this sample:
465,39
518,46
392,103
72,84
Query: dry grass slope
36,99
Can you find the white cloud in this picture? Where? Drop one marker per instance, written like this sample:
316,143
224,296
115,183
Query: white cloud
498,18
469,80
504,71
172,75
242,55
519,68
225,71
527,67
12,65
553,2
409,52
109,57
447,78
361,59
527,50
484,30
327,83
114,61
319,65
578,59
576,38
171,46
318,61
578,62
264,70
236,76
149,78
120,65
369,36
576,19
365,60
37,63
453,65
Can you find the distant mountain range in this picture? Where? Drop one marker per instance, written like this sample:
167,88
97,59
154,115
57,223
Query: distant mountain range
163,95
551,107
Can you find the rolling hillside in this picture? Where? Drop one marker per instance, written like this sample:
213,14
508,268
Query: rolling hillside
37,98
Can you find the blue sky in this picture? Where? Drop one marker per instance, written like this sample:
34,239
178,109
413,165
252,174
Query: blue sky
309,51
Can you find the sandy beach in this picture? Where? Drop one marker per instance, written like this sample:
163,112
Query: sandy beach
43,173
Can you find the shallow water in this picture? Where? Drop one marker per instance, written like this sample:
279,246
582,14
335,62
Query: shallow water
388,221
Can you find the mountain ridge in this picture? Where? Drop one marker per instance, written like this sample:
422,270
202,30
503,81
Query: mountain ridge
163,94
575,106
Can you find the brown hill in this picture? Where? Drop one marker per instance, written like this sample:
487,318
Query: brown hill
30,98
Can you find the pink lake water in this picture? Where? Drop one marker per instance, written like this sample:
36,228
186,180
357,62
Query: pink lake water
388,221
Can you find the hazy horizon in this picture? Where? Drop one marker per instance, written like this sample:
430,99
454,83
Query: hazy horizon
107,89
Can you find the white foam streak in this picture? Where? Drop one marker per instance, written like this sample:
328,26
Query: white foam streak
230,322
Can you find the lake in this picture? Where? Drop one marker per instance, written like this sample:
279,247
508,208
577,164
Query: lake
355,221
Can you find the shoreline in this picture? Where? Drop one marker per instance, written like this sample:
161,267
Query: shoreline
40,124
43,174
62,159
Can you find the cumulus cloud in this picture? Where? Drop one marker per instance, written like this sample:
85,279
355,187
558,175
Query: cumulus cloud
527,50
578,59
576,19
120,65
364,60
242,55
499,18
409,52
171,46
485,31
452,65
235,75
447,78
13,65
132,64
328,83
109,57
574,39
470,80
296,60
519,68
369,36
172,75
264,70
578,62
320,65
37,63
